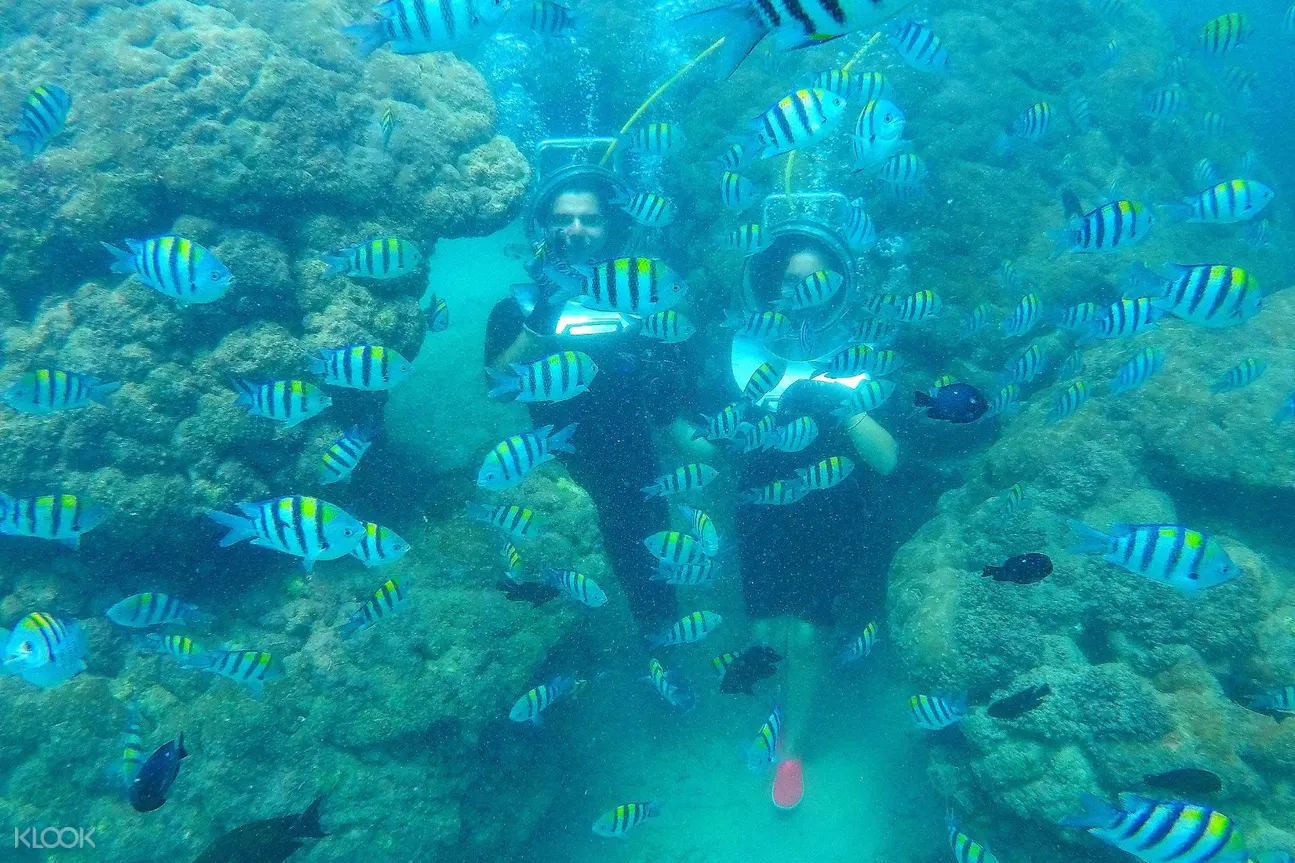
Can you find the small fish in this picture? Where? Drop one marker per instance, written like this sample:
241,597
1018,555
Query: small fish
1213,125
153,783
251,668
966,849
935,712
379,546
304,527
1071,366
388,600
688,630
800,118
388,125
780,492
1081,112
285,401
184,650
1009,277
656,138
956,403
1128,317
1076,318
878,134
552,19
1030,568
905,172
1225,33
1286,412
868,396
1111,53
739,672
860,647
1278,703
576,586
1068,402
1017,705
702,528
47,391
529,707
361,367
1024,317
1166,102
1212,296
1205,174
1226,203
1028,365
1014,501
916,307
554,378
873,332
814,290
687,478
42,118
701,574
976,320
724,424
1186,780
513,521
671,686
1172,554
763,380
1154,831
343,456
668,327
44,650
857,360
132,750
513,459
270,840
860,232
676,548
756,436
1241,375
144,610
918,45
764,751
618,822
437,315
174,267
740,153
648,209
1004,401
382,258
424,26
1033,123
633,285
795,435
1137,371
828,473
747,239
1241,82
736,191
60,517
766,326
1110,227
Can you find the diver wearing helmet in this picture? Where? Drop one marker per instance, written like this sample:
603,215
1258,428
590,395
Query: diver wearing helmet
641,387
798,559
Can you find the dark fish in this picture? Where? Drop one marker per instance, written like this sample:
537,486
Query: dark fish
1186,780
1070,202
1019,704
270,841
535,592
1023,569
149,790
748,667
956,403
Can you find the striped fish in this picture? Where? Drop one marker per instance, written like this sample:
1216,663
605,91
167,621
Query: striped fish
685,574
1004,401
868,87
1137,371
856,360
1014,501
1081,112
648,209
184,650
673,688
554,378
1221,35
754,436
437,314
1286,412
828,473
576,586
687,478
512,559
814,290
133,754
701,528
1166,102
934,712
636,286
389,599
153,609
764,379
939,383
1169,553
904,170
722,662
424,26
1076,318
43,117
1024,317
739,154
688,630
766,326
47,391
1028,365
529,707
675,547
860,647
736,191
865,398
860,232
304,527
1034,122
361,367
1213,125
780,492
551,19
873,332
723,425
1241,375
512,459
343,456
1278,703
878,133
387,123
1009,277
795,435
1212,296
656,138
1108,228
174,267
918,45
1071,399
1128,317
619,821
60,517
668,327
381,258
764,751
800,118
976,320
44,650
288,402
513,521
1240,81
1205,174
916,307
1226,203
747,239
1072,365
379,546
1157,832
966,849
252,668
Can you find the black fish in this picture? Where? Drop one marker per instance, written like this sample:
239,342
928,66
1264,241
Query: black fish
1019,704
535,592
1186,780
1070,202
956,403
148,791
750,666
1023,569
270,841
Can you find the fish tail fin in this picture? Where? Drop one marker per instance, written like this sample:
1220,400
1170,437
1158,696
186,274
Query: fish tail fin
741,29
318,363
1142,277
1063,239
122,260
1088,540
245,390
337,265
369,36
560,441
651,491
100,392
239,528
307,824
1097,813
991,572
922,399
504,386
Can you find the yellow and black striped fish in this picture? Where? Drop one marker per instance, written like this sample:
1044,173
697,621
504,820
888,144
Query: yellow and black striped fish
687,478
361,367
46,391
1226,203
1109,227
668,327
1154,831
764,379
828,473
1221,35
43,116
343,456
688,630
529,707
656,138
304,527
764,751
934,712
1068,402
174,267
554,378
625,816
60,517
252,668
379,546
797,120
389,599
381,258
288,402
513,521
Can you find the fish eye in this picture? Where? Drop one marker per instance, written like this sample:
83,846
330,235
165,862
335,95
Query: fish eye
348,532
1193,575
215,276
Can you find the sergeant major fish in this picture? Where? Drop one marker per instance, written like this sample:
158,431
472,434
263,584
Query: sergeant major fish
800,118
513,459
343,456
47,391
389,599
554,378
285,401
687,478
1156,832
251,668
1108,228
304,527
379,546
688,630
44,650
174,267
43,117
144,610
423,26
60,517
1172,554
620,820
529,707
381,258
361,367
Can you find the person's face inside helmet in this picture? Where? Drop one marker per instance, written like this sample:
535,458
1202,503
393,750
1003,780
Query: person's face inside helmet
799,266
578,226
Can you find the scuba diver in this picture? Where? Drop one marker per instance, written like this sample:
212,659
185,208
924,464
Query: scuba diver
644,385
798,559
